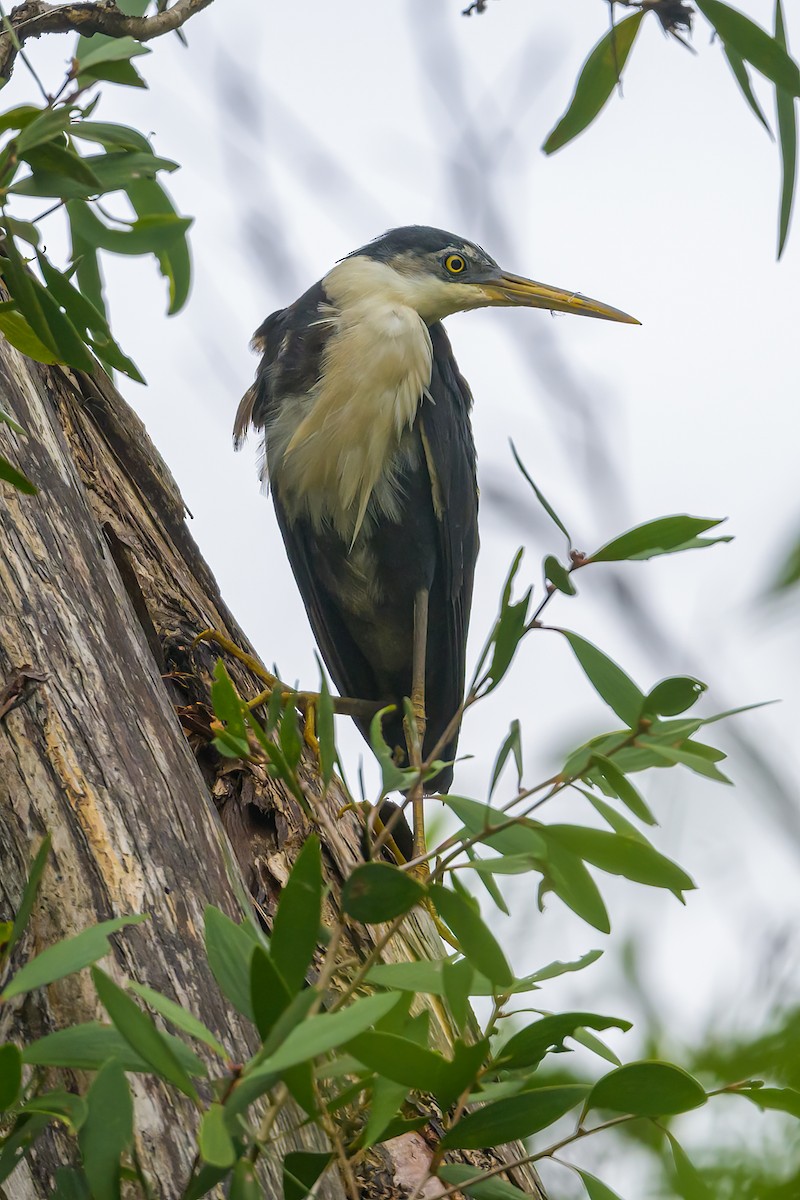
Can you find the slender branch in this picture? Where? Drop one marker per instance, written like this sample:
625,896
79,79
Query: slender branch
35,17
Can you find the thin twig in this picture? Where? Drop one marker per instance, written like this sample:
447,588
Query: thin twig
35,17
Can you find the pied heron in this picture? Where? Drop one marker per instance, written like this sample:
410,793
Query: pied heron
368,449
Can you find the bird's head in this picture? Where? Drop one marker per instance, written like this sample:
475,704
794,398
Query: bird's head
438,274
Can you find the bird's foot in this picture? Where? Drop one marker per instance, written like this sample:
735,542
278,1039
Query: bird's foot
248,660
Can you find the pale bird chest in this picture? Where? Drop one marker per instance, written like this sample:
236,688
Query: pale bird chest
337,450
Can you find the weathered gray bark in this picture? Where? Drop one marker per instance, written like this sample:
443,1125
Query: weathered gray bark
102,591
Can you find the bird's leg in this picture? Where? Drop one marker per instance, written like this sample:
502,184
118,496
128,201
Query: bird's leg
305,701
225,643
416,737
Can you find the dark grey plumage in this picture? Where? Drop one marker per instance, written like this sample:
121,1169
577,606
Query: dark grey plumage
369,450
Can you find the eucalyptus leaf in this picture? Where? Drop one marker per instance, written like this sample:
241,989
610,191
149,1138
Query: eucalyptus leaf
647,1089
67,956
516,1117
230,950
787,136
295,930
376,892
754,44
479,945
107,1131
214,1140
608,679
598,77
141,1034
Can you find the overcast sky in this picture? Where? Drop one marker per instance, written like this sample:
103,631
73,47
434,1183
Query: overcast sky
305,129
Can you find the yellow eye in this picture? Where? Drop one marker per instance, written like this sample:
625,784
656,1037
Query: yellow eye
455,264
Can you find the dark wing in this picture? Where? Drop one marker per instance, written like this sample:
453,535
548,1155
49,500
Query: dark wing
291,342
310,562
450,452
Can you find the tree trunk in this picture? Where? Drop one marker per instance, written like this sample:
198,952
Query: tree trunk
104,742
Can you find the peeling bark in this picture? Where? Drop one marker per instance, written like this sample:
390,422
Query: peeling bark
104,721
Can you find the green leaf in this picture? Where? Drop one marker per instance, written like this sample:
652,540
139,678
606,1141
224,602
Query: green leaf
17,1144
326,1031
55,159
477,942
595,1188
301,1170
30,893
101,49
467,1178
385,1102
49,123
9,473
740,74
548,508
785,1100
141,1034
399,1059
122,73
216,1144
753,43
179,1017
108,134
458,978
569,878
508,864
555,969
512,745
622,788
7,419
393,778
615,819
116,171
695,762
608,680
509,629
325,731
516,1117
289,736
229,708
230,950
787,135
87,1046
206,1179
599,76
596,1046
10,1075
559,576
692,1185
666,535
148,197
626,856
295,930
67,956
70,1185
269,995
528,1047
150,234
673,696
647,1089
18,332
377,892
107,1131
86,317
244,1182
517,836
62,1106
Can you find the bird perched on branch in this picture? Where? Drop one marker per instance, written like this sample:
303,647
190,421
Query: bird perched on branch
369,454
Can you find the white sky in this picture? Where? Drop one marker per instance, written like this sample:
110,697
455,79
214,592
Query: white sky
667,207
